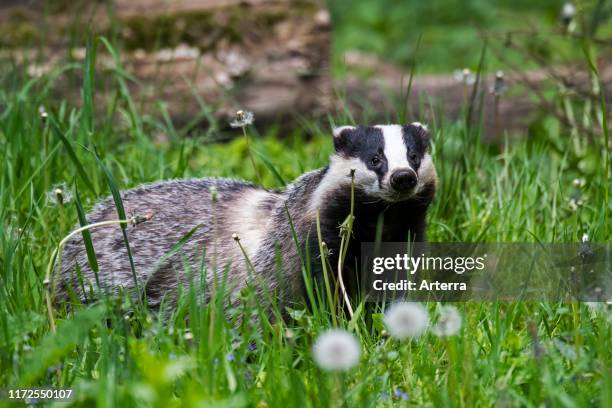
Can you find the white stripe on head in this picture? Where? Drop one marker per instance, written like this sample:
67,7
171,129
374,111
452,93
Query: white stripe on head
395,148
427,173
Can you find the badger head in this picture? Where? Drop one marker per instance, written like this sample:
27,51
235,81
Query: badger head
391,162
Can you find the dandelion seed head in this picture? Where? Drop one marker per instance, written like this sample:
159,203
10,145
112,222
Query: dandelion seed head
37,71
585,237
568,11
465,76
214,194
573,204
392,355
568,14
405,320
289,334
242,119
449,322
578,182
60,194
336,350
43,113
499,86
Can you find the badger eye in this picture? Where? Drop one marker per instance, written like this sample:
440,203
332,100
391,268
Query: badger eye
375,161
414,157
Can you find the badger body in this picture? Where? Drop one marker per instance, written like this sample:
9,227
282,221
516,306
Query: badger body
394,180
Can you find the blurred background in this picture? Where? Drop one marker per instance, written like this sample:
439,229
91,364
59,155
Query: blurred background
510,65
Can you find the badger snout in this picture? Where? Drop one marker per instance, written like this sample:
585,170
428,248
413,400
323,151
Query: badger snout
403,180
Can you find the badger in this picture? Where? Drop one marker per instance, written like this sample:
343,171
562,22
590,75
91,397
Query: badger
247,233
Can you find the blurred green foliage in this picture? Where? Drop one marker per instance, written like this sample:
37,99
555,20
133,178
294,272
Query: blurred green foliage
451,31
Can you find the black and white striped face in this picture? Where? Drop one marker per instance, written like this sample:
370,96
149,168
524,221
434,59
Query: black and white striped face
391,162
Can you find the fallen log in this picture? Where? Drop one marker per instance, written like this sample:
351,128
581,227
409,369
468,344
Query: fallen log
268,56
203,60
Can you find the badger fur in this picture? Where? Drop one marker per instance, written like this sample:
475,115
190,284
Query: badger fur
394,180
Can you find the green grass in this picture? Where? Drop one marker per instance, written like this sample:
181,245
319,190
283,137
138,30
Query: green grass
118,353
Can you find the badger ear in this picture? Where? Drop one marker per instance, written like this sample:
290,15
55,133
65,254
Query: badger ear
422,133
341,136
338,131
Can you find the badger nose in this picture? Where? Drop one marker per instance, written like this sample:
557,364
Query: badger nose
403,180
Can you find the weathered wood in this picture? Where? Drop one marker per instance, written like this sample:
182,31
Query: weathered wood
268,56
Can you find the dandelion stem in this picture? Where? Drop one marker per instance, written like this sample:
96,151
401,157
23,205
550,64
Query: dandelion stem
451,379
323,252
250,265
346,231
496,126
45,137
250,153
56,258
253,275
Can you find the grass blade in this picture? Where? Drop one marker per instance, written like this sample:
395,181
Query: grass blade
272,169
120,213
79,166
405,98
475,87
89,67
604,128
91,254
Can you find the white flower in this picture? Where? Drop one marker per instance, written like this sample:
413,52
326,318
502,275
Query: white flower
60,194
336,350
448,323
405,319
242,119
